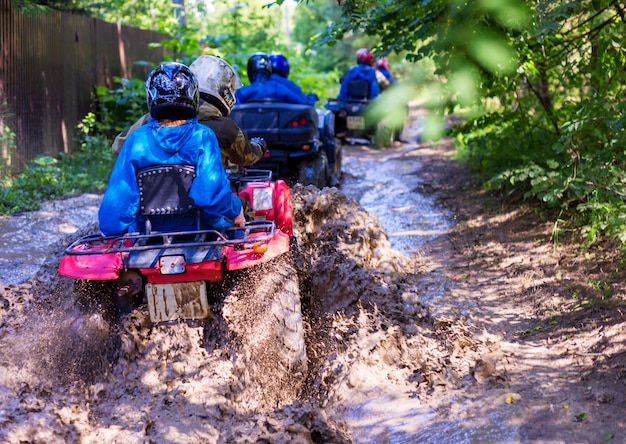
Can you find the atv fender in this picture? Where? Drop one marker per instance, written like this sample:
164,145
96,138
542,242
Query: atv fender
102,267
239,259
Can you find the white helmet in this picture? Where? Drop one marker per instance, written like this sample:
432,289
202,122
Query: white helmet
217,81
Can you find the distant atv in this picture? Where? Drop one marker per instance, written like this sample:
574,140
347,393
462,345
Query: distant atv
300,140
178,274
350,124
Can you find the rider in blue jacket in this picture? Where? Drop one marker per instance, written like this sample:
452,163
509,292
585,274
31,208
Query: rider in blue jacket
263,86
173,136
280,73
360,81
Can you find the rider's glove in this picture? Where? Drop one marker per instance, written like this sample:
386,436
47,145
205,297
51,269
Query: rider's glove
260,141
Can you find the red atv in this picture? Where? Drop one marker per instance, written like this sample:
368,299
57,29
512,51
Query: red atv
178,274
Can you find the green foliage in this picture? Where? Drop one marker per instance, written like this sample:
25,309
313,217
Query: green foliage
182,45
7,141
311,21
45,177
119,108
78,7
543,81
567,114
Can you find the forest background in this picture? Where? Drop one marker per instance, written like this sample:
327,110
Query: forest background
538,84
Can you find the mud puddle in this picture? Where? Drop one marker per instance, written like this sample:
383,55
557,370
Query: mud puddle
386,185
26,240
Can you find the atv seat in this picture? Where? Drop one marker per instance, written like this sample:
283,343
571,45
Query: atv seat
164,190
358,89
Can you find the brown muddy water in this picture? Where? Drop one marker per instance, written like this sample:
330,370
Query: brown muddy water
376,353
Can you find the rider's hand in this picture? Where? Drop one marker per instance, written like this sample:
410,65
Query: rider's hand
240,220
260,141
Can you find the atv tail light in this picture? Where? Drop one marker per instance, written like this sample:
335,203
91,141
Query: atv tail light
260,248
306,147
262,199
300,121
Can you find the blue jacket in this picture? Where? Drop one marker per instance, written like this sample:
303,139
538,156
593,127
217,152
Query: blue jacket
298,94
151,144
359,72
269,90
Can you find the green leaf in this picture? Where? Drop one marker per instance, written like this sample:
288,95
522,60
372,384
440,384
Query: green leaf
580,417
493,54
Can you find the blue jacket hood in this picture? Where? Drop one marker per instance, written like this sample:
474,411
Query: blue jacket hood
171,138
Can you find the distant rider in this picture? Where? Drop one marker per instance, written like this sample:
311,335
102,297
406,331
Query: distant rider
360,82
382,66
280,73
263,87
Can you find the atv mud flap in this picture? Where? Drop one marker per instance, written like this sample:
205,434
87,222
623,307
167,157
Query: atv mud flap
180,300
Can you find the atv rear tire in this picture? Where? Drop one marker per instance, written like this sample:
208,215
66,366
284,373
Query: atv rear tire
335,173
314,170
264,317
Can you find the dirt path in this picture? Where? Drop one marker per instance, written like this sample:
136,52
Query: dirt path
475,330
546,321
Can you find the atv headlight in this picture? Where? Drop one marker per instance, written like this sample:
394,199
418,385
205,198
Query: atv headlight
262,199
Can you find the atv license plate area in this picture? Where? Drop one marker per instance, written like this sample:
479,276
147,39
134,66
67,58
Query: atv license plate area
355,122
180,300
172,264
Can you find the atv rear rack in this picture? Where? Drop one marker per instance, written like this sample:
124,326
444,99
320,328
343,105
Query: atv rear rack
253,232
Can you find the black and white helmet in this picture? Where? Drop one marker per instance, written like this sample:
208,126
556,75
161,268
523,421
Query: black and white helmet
259,67
172,92
217,81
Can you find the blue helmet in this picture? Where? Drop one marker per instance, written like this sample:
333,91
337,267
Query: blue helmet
280,64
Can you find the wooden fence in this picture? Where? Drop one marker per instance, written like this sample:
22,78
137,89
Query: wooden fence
50,64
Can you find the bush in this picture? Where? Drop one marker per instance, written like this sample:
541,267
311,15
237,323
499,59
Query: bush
86,170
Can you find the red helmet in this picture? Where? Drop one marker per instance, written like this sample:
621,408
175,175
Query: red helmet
383,63
364,57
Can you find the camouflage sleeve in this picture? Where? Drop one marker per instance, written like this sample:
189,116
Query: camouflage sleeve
247,152
121,137
234,144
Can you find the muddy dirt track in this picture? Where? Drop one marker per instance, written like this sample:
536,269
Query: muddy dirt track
434,313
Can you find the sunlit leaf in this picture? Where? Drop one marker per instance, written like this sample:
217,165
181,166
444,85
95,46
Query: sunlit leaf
509,12
494,55
464,85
